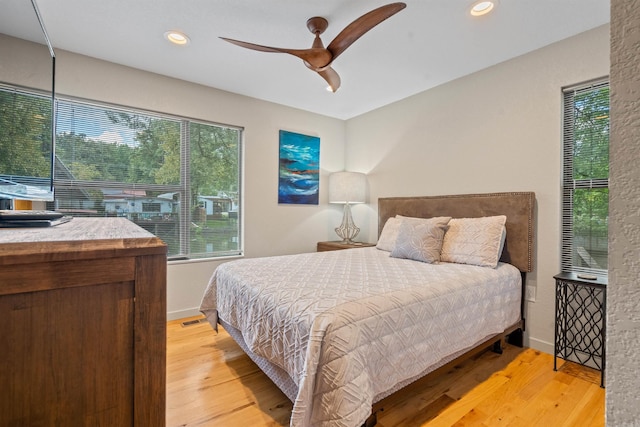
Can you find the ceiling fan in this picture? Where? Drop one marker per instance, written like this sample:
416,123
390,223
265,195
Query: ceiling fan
318,58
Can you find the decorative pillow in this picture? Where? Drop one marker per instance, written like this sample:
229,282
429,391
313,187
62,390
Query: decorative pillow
420,239
389,234
476,241
503,238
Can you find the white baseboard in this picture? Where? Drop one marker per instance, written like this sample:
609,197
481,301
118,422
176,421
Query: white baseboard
541,345
181,314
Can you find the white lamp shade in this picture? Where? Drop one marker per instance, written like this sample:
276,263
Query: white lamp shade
347,187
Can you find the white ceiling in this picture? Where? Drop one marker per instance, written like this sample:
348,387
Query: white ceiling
427,44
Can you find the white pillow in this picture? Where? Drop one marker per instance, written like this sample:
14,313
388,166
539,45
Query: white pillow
389,234
476,241
420,239
503,238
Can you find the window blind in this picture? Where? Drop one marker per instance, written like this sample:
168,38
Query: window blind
585,178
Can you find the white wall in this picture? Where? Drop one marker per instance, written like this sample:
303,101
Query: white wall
269,228
496,130
623,291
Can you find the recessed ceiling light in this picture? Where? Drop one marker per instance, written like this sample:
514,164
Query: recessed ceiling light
481,8
176,37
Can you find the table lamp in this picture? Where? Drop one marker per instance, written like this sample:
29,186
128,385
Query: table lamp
347,188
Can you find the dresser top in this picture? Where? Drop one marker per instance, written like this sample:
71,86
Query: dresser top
79,234
76,229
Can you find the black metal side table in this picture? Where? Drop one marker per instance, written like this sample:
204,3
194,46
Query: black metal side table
580,321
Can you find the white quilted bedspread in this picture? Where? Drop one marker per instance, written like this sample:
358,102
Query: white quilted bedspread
350,325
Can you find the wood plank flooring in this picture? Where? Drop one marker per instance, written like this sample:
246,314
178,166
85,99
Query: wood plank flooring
211,382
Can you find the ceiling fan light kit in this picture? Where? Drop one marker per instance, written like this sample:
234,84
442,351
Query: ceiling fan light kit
318,58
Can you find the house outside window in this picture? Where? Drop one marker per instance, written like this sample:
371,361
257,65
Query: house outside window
153,169
585,179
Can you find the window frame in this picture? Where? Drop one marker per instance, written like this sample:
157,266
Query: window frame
569,183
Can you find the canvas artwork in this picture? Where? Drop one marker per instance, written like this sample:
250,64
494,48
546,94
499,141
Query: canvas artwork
299,179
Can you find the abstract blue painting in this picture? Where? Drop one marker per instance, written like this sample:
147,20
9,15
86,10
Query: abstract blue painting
299,179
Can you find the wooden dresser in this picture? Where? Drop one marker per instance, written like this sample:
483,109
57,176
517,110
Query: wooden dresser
82,325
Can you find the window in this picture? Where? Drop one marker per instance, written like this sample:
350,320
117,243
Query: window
585,181
25,144
156,170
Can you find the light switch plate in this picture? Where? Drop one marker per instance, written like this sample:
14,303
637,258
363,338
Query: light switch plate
531,294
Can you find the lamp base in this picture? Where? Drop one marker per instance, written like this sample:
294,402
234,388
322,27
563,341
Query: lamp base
348,242
347,230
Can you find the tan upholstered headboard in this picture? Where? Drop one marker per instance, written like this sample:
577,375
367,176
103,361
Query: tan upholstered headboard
518,207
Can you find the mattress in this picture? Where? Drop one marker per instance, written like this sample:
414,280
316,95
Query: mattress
350,326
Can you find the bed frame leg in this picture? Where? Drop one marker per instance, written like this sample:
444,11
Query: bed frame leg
497,346
516,338
371,421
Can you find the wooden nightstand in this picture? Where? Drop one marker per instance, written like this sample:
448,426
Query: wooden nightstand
337,245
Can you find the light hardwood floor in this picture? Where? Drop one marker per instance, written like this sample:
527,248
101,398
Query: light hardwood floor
211,382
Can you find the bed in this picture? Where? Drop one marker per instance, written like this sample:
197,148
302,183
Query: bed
339,331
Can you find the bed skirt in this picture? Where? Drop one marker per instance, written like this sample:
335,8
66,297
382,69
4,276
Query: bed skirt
284,382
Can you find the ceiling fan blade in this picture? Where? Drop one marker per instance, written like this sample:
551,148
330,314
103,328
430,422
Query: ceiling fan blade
330,75
360,26
252,46
315,57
